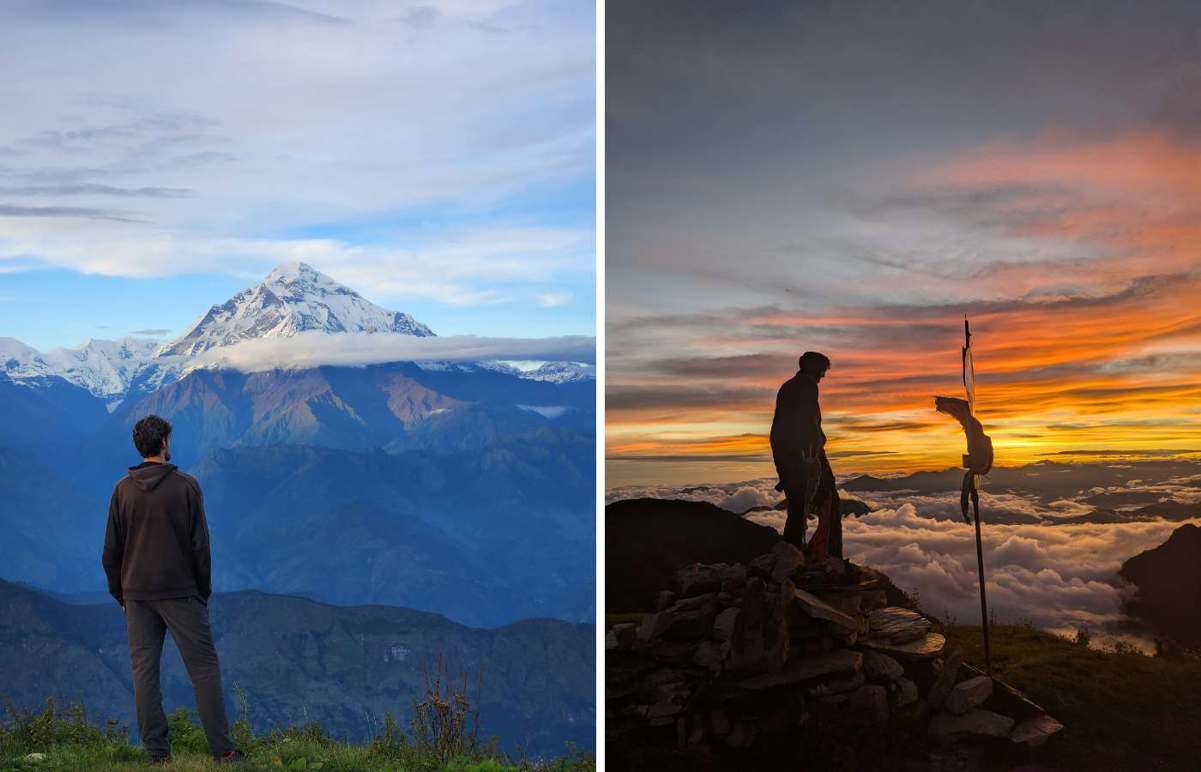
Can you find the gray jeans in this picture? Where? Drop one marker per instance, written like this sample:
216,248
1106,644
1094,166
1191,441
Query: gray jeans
188,621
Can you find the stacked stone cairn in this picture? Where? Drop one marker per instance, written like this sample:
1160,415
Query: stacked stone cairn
782,660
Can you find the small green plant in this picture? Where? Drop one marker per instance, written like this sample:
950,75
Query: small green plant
391,742
241,732
28,731
1084,636
185,735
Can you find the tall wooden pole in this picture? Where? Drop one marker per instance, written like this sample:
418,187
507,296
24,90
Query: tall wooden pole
969,387
983,593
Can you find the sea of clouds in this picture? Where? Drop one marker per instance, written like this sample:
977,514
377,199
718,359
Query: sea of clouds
1055,575
314,348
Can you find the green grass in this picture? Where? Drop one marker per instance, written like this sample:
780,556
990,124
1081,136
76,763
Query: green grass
1121,710
69,742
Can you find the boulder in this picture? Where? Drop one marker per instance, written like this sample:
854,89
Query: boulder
945,680
695,602
698,579
726,624
689,625
975,723
719,722
762,566
840,663
873,599
868,706
741,736
905,694
733,578
676,625
710,655
837,685
968,694
1035,731
787,559
816,608
621,636
653,625
878,666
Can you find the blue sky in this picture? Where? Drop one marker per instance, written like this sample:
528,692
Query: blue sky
439,160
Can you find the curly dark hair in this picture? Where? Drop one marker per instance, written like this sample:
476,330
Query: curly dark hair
149,433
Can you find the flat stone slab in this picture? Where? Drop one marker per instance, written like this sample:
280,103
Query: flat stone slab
897,624
969,694
1035,731
841,662
976,722
817,608
929,647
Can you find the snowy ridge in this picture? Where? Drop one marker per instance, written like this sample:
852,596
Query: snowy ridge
103,367
552,372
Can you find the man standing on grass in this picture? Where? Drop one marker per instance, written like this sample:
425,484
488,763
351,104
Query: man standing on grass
798,447
156,557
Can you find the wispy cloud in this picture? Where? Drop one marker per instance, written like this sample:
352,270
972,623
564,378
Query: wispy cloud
376,141
94,189
554,299
9,210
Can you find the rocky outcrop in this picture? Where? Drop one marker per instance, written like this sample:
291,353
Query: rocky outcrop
777,662
1168,582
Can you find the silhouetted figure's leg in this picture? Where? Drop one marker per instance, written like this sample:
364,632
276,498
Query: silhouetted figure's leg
188,621
834,542
819,543
146,629
794,526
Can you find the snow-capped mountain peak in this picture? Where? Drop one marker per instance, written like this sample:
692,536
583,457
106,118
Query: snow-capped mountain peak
103,367
293,298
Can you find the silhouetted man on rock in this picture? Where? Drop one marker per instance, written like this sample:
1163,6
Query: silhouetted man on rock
798,446
156,557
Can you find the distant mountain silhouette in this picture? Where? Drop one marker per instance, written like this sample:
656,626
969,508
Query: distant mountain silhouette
299,661
1105,487
646,540
1168,578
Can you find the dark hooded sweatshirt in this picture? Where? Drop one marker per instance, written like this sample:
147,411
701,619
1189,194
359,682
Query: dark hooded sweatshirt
157,542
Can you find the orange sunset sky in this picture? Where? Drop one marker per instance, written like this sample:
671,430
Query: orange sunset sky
803,197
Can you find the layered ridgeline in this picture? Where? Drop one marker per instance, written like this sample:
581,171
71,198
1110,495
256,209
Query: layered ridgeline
297,661
458,487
